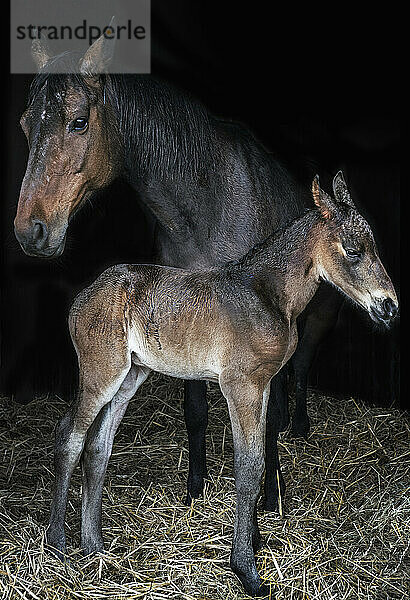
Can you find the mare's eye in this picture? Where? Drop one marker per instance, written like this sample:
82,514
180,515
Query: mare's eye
79,124
353,253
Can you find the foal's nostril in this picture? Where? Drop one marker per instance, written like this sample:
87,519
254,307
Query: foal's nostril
390,308
40,234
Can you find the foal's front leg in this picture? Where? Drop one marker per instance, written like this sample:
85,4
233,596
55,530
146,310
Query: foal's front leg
247,404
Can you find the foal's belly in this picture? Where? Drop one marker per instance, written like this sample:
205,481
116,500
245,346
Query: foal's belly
175,369
190,361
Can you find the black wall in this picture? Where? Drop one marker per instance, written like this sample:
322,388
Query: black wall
315,90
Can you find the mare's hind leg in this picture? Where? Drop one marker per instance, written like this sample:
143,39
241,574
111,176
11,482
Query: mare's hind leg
319,318
97,451
98,385
277,420
247,403
196,419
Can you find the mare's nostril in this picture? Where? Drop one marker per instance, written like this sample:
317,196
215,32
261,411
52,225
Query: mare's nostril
390,308
40,234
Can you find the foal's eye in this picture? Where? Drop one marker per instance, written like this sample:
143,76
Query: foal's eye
79,124
353,253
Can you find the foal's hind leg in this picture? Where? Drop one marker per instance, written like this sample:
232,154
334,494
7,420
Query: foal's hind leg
97,388
97,451
196,419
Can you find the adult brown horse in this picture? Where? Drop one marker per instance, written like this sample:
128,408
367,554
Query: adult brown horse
214,190
234,324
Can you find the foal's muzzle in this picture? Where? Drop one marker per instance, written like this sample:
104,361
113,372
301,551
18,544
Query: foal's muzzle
384,311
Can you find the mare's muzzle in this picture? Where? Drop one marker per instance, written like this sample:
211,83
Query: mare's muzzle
35,240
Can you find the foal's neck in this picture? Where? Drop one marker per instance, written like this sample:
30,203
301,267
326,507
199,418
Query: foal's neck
284,268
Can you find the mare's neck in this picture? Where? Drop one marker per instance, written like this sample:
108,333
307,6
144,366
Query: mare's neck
284,269
170,149
166,134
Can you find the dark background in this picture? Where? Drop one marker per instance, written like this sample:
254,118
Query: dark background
316,89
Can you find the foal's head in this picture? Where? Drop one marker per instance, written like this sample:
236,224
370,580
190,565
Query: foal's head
71,150
347,254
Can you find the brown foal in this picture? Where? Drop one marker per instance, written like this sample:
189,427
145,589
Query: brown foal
234,324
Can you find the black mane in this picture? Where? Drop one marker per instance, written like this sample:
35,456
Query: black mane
166,132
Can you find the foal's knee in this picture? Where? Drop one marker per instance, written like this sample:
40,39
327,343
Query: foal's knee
94,450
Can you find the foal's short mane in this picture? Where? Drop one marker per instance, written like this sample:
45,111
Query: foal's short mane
165,132
275,235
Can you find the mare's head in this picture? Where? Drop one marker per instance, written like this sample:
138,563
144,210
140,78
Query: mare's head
347,253
72,149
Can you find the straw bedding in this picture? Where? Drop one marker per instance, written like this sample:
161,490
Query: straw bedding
344,531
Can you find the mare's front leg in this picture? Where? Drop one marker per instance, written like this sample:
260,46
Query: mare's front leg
319,318
97,452
247,403
277,420
196,419
94,393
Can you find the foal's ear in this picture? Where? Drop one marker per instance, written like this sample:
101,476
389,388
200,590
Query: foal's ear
39,51
99,55
323,201
340,190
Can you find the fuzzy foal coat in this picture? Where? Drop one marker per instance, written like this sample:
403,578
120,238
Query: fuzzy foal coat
234,324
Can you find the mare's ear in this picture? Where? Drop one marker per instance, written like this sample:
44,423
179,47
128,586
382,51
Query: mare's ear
99,55
40,51
340,190
323,201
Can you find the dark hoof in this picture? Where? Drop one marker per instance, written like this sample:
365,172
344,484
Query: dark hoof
189,497
56,546
300,429
270,505
252,583
195,490
266,592
92,547
257,589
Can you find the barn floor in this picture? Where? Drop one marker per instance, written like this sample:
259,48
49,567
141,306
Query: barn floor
344,532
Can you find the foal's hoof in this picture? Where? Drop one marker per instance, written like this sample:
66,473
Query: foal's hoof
92,546
55,544
265,592
252,583
257,589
